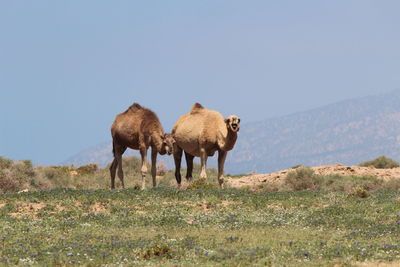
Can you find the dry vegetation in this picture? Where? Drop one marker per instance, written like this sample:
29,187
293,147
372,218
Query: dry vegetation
18,176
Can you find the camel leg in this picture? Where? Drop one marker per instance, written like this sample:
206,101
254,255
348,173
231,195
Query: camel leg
120,172
154,165
189,164
143,153
221,161
113,170
178,159
117,163
203,157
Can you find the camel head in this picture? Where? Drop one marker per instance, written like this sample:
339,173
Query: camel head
168,144
233,123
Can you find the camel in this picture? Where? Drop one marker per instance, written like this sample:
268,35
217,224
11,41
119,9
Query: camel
138,128
200,133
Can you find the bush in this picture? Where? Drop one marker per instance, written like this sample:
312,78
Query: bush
302,178
359,192
8,181
341,183
87,169
15,176
381,162
5,163
54,172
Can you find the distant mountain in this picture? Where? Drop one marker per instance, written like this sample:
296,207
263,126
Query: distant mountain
346,132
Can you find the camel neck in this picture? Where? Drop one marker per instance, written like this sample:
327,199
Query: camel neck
230,140
157,141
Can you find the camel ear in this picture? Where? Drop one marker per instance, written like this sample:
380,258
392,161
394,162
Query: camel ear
162,137
238,120
227,120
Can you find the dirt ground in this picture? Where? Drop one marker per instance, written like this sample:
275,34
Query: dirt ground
279,176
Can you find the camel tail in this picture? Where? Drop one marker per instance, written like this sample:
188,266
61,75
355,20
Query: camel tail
113,150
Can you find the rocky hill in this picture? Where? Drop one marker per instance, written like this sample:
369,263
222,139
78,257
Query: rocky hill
346,132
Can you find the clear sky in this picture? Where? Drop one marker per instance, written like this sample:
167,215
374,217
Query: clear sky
68,67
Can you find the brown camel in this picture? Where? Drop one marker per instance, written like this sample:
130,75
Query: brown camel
138,128
200,133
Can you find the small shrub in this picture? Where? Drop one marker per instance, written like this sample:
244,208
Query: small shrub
8,181
359,192
341,183
381,162
87,169
302,178
159,250
5,163
24,169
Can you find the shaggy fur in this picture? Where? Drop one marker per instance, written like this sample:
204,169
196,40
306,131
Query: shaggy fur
138,128
200,133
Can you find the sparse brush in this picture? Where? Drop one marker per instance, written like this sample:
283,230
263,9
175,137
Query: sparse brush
381,162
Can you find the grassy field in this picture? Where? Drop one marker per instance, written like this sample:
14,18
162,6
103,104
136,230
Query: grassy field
204,227
68,217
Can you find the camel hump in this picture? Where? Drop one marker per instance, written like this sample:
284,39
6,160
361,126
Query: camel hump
196,107
135,106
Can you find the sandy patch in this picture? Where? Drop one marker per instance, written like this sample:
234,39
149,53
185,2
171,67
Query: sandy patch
60,208
27,210
98,207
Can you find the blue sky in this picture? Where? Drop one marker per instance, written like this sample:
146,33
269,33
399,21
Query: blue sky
68,67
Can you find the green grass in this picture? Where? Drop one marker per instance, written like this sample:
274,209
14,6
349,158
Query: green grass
205,227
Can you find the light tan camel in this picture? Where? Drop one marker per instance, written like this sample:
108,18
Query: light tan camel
200,133
138,128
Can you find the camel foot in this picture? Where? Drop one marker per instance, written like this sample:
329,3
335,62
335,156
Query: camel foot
203,175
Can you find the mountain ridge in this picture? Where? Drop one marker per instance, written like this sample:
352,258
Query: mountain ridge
348,132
